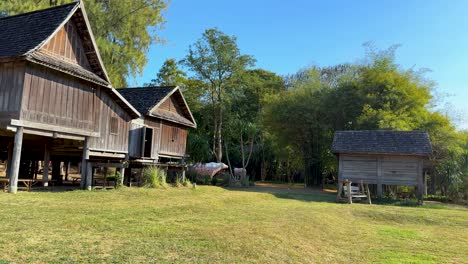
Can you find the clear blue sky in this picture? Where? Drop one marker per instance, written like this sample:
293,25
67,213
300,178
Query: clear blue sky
285,36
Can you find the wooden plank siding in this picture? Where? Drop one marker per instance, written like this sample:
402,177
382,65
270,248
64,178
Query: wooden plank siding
155,124
11,83
57,99
109,109
67,44
394,170
171,105
173,139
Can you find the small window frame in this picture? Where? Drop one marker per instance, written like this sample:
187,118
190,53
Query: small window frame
114,125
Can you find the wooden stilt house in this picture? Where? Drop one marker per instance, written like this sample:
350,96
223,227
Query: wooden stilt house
56,100
159,136
382,157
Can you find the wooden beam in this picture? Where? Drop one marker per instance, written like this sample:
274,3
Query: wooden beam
10,157
59,129
15,163
109,165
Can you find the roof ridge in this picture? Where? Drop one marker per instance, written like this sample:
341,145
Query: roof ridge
39,10
148,87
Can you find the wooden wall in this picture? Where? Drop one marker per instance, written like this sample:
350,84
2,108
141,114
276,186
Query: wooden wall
173,139
107,110
137,132
54,98
384,169
11,88
68,45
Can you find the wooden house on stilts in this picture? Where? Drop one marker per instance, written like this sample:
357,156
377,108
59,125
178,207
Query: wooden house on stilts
56,100
382,157
159,136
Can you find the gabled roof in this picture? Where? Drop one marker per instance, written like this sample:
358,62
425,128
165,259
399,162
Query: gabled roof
147,100
23,35
382,142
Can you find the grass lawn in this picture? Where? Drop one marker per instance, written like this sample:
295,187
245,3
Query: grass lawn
211,224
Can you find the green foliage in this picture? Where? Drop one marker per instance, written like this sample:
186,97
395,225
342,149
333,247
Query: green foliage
124,30
169,75
154,177
215,59
118,179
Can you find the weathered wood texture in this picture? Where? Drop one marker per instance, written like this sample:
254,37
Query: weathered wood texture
375,169
108,110
171,105
138,135
11,83
173,139
67,44
54,98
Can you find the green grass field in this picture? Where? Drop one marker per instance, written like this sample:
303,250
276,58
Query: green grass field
212,224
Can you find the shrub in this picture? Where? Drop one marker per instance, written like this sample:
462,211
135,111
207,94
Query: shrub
154,177
214,181
118,179
207,179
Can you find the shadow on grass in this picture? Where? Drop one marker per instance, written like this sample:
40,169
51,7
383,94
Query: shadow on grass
300,194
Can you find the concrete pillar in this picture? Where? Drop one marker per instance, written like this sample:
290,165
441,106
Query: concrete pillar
15,162
84,166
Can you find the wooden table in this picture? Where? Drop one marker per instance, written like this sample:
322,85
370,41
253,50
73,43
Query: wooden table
27,183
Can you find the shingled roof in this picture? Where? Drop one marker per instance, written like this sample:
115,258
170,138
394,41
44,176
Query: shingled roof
382,142
23,33
144,99
22,36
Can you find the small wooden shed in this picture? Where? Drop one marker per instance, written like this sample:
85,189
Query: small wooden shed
382,157
159,136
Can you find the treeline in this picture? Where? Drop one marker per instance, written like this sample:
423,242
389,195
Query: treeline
280,128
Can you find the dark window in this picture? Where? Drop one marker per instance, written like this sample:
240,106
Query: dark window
114,125
148,142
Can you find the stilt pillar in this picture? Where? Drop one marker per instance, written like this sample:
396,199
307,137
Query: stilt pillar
45,167
89,175
84,161
15,162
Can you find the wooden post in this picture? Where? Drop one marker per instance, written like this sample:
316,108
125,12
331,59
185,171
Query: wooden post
379,177
368,194
425,182
67,170
15,162
45,167
340,190
420,182
350,197
10,157
84,166
89,175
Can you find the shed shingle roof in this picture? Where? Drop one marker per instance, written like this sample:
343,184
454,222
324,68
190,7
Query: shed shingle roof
383,142
145,98
22,33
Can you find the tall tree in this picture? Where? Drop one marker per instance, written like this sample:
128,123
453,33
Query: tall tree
215,59
169,74
124,30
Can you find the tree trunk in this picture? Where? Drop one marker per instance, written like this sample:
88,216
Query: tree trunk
219,143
